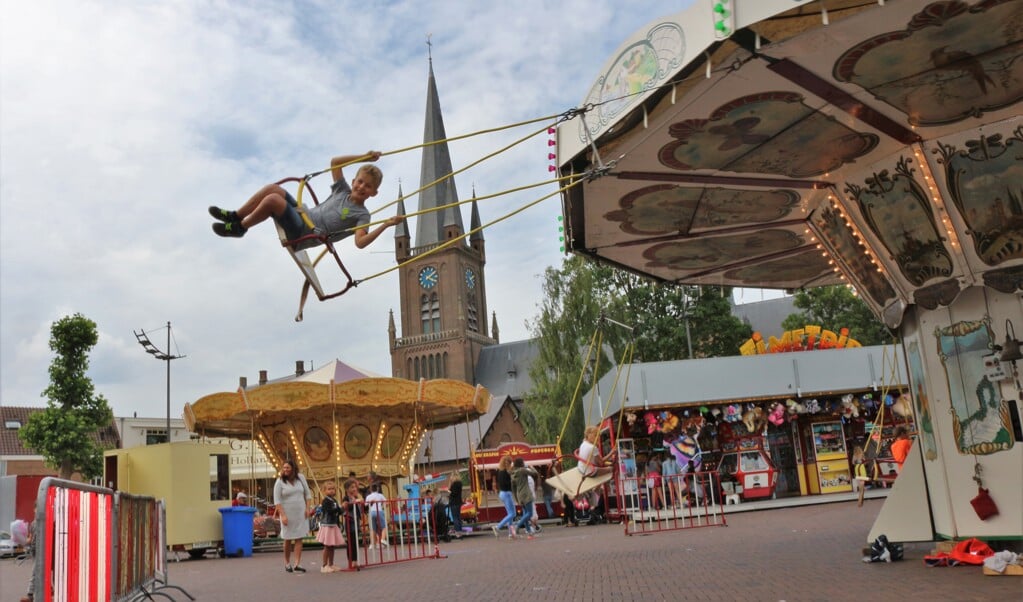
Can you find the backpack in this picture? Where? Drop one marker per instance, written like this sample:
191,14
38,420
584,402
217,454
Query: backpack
883,550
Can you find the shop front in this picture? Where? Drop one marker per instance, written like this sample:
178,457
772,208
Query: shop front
774,425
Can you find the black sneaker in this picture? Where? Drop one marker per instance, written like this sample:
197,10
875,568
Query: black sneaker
223,214
229,229
287,568
299,569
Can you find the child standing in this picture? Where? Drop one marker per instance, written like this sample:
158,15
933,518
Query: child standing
377,525
329,534
351,508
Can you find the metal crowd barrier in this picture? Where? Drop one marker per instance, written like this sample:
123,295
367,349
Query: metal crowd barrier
409,531
685,502
92,544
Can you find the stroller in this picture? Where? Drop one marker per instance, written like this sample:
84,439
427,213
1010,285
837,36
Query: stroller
441,520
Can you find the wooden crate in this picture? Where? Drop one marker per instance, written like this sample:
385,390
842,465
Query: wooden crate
1012,569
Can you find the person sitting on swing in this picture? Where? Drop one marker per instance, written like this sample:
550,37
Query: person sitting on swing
591,463
342,214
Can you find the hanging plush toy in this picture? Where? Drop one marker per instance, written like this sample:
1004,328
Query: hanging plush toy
849,409
777,414
733,413
754,420
813,406
794,408
903,406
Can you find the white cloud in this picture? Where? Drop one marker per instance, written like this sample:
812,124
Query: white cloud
120,123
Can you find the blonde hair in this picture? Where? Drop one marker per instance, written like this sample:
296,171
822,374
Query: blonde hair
504,463
371,172
590,430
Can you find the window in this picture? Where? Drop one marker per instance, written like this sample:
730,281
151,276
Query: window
435,312
472,321
12,424
417,369
154,436
424,310
444,365
219,477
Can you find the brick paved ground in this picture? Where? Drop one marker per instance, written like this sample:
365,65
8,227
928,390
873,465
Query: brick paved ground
793,554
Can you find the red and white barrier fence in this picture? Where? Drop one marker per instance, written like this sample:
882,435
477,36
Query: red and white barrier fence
92,544
409,533
669,503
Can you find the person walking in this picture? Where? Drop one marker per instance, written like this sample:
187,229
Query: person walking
504,493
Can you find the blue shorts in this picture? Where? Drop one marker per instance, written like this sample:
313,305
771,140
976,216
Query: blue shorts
376,520
291,221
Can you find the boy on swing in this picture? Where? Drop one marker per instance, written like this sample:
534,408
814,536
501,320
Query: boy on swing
341,214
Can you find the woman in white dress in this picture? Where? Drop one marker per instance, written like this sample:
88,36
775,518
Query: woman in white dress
294,506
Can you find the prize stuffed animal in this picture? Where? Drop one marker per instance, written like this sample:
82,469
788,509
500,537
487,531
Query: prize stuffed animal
849,407
732,414
754,420
903,406
794,408
777,414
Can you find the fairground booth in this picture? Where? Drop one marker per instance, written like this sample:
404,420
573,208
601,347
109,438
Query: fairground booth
777,424
791,144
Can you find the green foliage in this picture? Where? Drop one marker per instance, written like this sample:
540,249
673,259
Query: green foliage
576,296
836,307
63,433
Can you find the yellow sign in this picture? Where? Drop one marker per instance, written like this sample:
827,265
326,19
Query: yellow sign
809,338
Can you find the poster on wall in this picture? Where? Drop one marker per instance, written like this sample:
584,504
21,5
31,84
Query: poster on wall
924,420
980,417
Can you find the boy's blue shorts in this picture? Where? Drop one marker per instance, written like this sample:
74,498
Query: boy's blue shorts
291,220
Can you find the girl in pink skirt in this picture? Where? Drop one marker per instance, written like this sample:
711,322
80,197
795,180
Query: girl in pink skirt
330,533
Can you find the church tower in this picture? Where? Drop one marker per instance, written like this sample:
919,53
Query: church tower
443,292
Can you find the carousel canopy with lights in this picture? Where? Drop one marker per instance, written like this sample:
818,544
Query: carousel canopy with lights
338,416
789,144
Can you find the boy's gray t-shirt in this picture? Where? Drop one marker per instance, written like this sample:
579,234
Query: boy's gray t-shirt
338,216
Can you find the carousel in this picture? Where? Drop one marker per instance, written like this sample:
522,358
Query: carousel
791,144
339,419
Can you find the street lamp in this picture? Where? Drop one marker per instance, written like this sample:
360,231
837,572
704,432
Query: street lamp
151,349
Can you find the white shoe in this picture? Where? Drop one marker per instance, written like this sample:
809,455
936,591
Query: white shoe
371,546
494,529
384,543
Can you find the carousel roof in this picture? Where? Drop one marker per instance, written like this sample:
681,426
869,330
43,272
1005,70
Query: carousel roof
336,387
789,144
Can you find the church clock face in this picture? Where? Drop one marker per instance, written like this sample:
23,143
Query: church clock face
470,279
428,277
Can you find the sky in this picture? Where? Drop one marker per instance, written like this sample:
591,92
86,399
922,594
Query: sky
120,122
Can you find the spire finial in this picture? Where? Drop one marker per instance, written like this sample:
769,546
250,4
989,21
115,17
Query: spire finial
429,47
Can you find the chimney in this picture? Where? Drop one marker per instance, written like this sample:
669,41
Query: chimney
299,367
243,382
262,377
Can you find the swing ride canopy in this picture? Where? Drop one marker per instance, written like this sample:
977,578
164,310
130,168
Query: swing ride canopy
789,144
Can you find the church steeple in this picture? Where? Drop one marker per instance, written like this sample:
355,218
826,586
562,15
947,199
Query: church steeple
443,290
401,235
434,227
475,227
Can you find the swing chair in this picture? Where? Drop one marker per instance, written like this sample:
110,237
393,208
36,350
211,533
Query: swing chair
870,470
573,482
296,249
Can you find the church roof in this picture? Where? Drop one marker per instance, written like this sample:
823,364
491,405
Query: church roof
504,371
436,164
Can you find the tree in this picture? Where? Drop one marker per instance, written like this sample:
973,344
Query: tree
574,298
836,307
665,320
65,432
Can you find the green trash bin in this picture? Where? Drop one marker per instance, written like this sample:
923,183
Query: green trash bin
237,530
